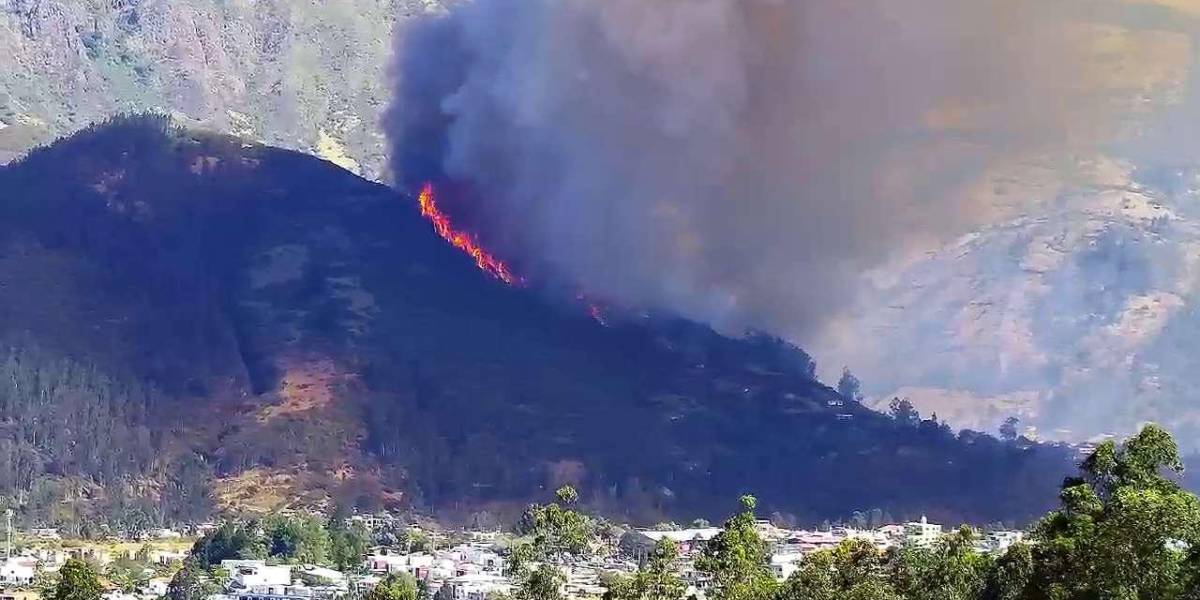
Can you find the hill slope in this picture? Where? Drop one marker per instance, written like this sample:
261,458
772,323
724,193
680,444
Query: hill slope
1076,315
293,333
304,75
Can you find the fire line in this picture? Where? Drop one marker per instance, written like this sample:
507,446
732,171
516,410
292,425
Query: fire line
462,240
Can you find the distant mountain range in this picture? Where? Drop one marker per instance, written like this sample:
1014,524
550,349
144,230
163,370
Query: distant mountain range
1076,314
272,330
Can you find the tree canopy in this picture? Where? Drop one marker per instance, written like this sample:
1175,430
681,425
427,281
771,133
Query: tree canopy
736,560
77,581
396,586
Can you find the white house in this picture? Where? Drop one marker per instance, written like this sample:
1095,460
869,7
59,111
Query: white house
256,573
332,575
478,586
892,532
784,564
156,587
688,540
418,565
922,534
18,570
999,541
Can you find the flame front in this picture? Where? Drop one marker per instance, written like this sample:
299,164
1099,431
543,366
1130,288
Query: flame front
459,239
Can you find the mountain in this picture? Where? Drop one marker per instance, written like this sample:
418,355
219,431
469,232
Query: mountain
1062,305
309,76
1076,313
195,317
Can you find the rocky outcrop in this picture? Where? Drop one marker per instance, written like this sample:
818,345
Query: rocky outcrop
1076,314
309,76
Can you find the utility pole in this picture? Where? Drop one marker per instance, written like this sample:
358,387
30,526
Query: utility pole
8,534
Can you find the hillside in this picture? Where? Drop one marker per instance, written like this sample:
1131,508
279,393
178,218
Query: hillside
1087,298
1069,303
290,334
309,76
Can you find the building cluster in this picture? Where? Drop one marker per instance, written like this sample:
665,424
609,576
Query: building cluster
475,569
789,547
21,569
472,571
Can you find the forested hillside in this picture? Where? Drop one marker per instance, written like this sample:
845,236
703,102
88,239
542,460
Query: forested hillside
291,334
74,441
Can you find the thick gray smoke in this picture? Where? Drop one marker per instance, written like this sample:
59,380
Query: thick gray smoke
737,161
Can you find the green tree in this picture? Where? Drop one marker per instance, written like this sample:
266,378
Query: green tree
1011,576
854,570
44,583
736,559
903,411
302,539
191,583
849,387
127,574
416,540
553,532
556,529
950,570
656,580
347,547
1124,527
230,541
541,583
77,581
396,586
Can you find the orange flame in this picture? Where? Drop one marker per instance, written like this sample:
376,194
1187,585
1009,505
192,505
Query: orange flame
463,241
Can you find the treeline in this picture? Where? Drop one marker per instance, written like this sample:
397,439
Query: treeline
76,448
1125,530
299,538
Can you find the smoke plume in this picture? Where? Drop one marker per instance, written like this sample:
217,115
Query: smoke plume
740,162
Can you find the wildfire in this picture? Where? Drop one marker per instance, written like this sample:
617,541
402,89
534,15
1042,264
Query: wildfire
460,239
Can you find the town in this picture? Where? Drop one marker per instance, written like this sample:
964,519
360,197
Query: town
444,565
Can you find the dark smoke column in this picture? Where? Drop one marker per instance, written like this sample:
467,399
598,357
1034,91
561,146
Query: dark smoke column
739,162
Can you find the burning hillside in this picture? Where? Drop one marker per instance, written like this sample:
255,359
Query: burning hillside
461,239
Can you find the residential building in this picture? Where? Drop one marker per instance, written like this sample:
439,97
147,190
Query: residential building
248,574
333,576
688,540
922,534
417,564
999,541
479,586
289,592
783,565
18,570
156,587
